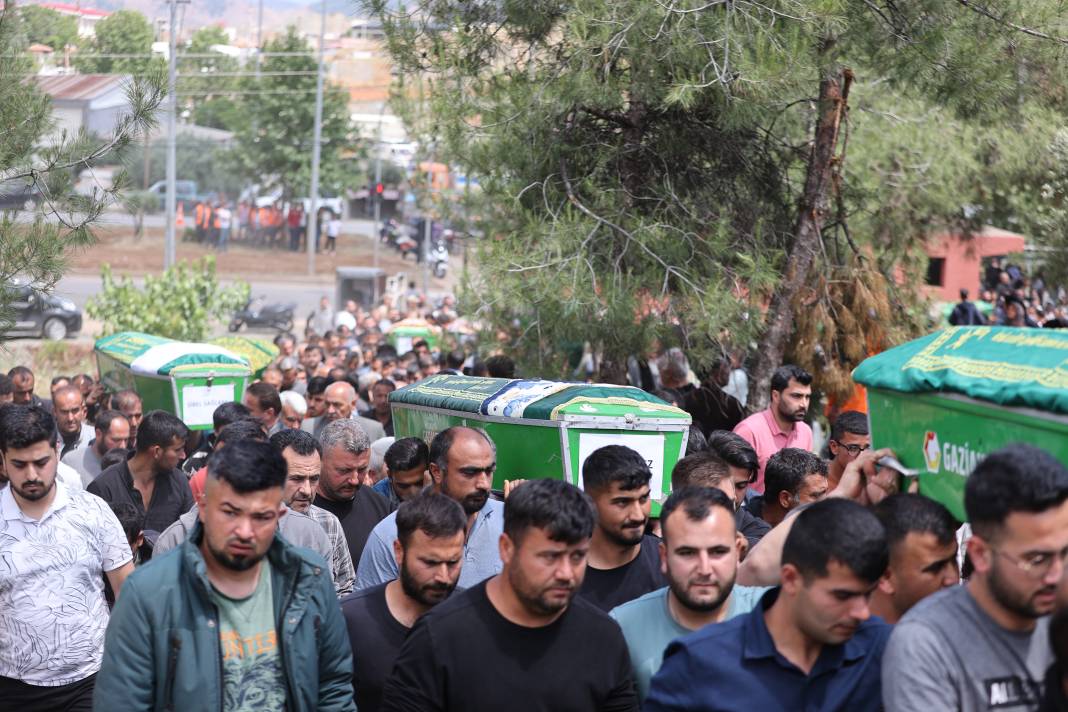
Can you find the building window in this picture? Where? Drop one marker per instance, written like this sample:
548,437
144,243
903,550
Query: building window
936,271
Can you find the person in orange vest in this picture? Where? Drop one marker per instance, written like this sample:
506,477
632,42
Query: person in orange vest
265,224
200,220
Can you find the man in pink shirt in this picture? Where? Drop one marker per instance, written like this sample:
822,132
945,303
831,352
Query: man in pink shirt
782,424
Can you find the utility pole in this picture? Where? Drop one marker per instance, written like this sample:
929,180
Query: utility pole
427,222
169,256
313,222
376,197
259,38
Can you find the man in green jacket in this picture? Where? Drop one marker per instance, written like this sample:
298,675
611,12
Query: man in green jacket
235,619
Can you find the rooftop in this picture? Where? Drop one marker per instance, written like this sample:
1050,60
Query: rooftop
75,9
78,87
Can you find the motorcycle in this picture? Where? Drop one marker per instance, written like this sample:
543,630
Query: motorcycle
439,259
257,313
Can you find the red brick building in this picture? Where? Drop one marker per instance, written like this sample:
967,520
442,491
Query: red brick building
957,262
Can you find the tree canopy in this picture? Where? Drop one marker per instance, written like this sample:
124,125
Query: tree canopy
43,25
125,32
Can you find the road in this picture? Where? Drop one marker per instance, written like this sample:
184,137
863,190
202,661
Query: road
121,219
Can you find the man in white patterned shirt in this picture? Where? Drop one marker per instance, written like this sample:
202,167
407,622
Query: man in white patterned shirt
303,456
56,545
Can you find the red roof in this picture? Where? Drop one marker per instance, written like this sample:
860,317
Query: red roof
78,87
75,9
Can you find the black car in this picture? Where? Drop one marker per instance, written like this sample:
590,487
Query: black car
43,315
18,194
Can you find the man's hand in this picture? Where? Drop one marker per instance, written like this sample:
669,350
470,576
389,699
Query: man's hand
510,485
864,482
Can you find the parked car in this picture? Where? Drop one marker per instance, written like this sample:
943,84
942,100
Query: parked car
18,194
185,193
43,315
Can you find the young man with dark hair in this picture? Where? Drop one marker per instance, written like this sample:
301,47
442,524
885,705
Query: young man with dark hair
811,641
303,456
792,477
923,553
237,618
699,554
406,463
223,415
462,463
713,409
706,469
500,366
7,389
741,459
111,431
985,645
380,410
265,405
129,404
849,438
315,395
429,551
56,547
623,561
247,428
150,480
781,424
521,640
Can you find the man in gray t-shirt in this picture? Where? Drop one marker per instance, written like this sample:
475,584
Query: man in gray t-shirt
985,645
948,654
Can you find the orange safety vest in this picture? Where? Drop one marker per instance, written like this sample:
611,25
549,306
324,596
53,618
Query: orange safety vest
215,219
199,220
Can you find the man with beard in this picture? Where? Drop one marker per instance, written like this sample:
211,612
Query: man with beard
56,546
699,555
129,404
237,618
462,462
792,477
303,456
811,643
782,424
112,431
429,552
624,562
68,405
344,488
985,645
521,640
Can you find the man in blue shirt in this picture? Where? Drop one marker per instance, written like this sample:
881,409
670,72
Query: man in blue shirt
810,644
462,461
699,554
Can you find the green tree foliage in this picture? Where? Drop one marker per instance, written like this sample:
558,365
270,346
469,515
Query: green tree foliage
35,244
125,32
208,83
647,169
199,159
43,25
274,139
179,304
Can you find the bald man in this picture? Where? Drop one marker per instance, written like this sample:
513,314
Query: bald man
340,399
68,404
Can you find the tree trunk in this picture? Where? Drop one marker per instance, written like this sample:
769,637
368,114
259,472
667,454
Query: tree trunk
834,94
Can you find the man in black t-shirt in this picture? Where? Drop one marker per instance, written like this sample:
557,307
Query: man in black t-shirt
624,562
520,640
429,550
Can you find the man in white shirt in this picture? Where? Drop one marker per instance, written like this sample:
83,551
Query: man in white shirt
56,545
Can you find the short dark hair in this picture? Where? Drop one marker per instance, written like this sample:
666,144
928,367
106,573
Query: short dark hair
57,379
500,366
442,443
303,443
24,425
407,454
787,372
244,429
229,412
902,514
266,396
615,463
104,418
131,519
160,428
786,470
701,469
316,385
734,449
695,440
696,503
838,530
563,510
432,513
248,466
455,359
113,457
384,382
849,421
7,387
19,372
1016,478
126,397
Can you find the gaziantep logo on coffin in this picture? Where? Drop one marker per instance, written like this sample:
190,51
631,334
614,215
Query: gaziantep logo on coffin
932,453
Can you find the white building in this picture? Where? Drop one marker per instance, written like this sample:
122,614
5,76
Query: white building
87,17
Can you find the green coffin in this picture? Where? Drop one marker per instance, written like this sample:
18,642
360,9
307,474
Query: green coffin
944,401
258,352
186,379
546,428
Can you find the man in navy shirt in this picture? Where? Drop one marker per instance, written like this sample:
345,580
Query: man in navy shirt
810,644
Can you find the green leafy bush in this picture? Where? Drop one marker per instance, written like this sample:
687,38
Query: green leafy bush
179,304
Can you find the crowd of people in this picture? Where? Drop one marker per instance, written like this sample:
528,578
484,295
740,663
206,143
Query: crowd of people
1013,298
278,224
300,556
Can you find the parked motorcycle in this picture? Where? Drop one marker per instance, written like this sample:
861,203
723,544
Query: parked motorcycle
258,313
439,259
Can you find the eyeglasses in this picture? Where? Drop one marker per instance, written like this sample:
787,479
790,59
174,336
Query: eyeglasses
852,449
1036,565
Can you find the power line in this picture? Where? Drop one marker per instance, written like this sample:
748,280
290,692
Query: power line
208,75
